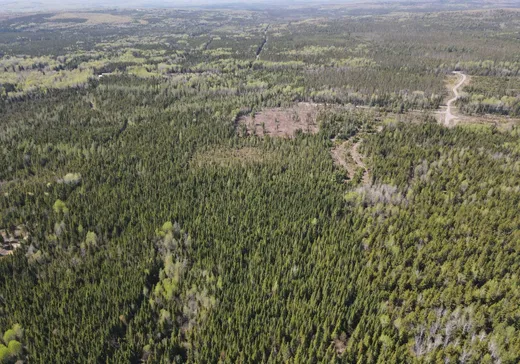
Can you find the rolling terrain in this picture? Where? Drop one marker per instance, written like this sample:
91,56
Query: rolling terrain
302,183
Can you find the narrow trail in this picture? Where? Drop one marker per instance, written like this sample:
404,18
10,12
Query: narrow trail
264,42
206,46
449,117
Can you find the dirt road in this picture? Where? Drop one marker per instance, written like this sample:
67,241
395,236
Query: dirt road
449,117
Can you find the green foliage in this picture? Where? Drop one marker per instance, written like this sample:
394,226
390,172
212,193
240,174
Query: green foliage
71,178
12,348
8,336
178,238
18,331
4,353
487,94
60,207
167,227
91,239
15,348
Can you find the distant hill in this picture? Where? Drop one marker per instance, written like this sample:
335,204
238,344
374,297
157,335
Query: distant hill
13,6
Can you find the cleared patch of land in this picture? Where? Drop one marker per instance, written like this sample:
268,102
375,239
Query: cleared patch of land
346,155
11,239
341,156
282,122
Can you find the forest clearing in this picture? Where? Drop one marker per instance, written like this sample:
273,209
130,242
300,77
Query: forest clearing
260,183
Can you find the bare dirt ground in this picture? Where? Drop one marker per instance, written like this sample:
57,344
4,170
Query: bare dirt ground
340,157
346,155
11,240
283,122
358,159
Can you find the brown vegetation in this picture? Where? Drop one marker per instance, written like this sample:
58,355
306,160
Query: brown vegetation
282,122
347,156
10,239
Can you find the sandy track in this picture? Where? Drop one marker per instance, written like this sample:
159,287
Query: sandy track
449,117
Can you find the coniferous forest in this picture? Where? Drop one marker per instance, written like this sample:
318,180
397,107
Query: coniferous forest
257,184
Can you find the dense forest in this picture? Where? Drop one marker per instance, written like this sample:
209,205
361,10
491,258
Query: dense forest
221,186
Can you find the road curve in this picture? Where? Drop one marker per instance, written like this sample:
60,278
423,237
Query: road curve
449,116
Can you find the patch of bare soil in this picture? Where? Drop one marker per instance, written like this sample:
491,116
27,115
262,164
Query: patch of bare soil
342,158
11,239
358,159
347,156
340,345
282,122
228,157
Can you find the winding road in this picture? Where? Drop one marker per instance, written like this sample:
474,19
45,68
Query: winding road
449,116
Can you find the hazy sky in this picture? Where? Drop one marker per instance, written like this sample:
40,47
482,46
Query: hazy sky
18,5
44,5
